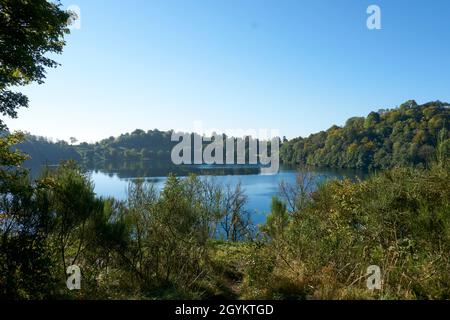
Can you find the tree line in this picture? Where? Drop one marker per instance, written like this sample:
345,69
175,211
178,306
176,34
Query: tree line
407,135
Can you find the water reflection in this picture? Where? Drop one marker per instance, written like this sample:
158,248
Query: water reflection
112,181
150,169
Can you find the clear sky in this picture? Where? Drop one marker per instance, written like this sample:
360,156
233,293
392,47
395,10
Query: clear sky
297,66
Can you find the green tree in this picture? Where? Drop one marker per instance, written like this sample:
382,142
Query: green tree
404,136
277,220
25,257
28,31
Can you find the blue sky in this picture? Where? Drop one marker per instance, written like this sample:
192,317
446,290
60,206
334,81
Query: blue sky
296,66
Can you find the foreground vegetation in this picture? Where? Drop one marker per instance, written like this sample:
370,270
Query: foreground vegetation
195,238
398,220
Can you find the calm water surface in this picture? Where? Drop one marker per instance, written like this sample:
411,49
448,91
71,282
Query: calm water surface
259,188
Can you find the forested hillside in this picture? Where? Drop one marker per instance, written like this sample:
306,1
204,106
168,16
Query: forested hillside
139,145
41,151
135,147
407,135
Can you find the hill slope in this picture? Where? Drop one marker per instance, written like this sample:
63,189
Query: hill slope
407,135
43,151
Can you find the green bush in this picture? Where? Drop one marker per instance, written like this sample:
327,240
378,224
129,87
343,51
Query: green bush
398,220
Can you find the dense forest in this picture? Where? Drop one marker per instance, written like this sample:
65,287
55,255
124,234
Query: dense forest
407,135
153,145
130,151
43,151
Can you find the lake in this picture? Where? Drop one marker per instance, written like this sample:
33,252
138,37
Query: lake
259,188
